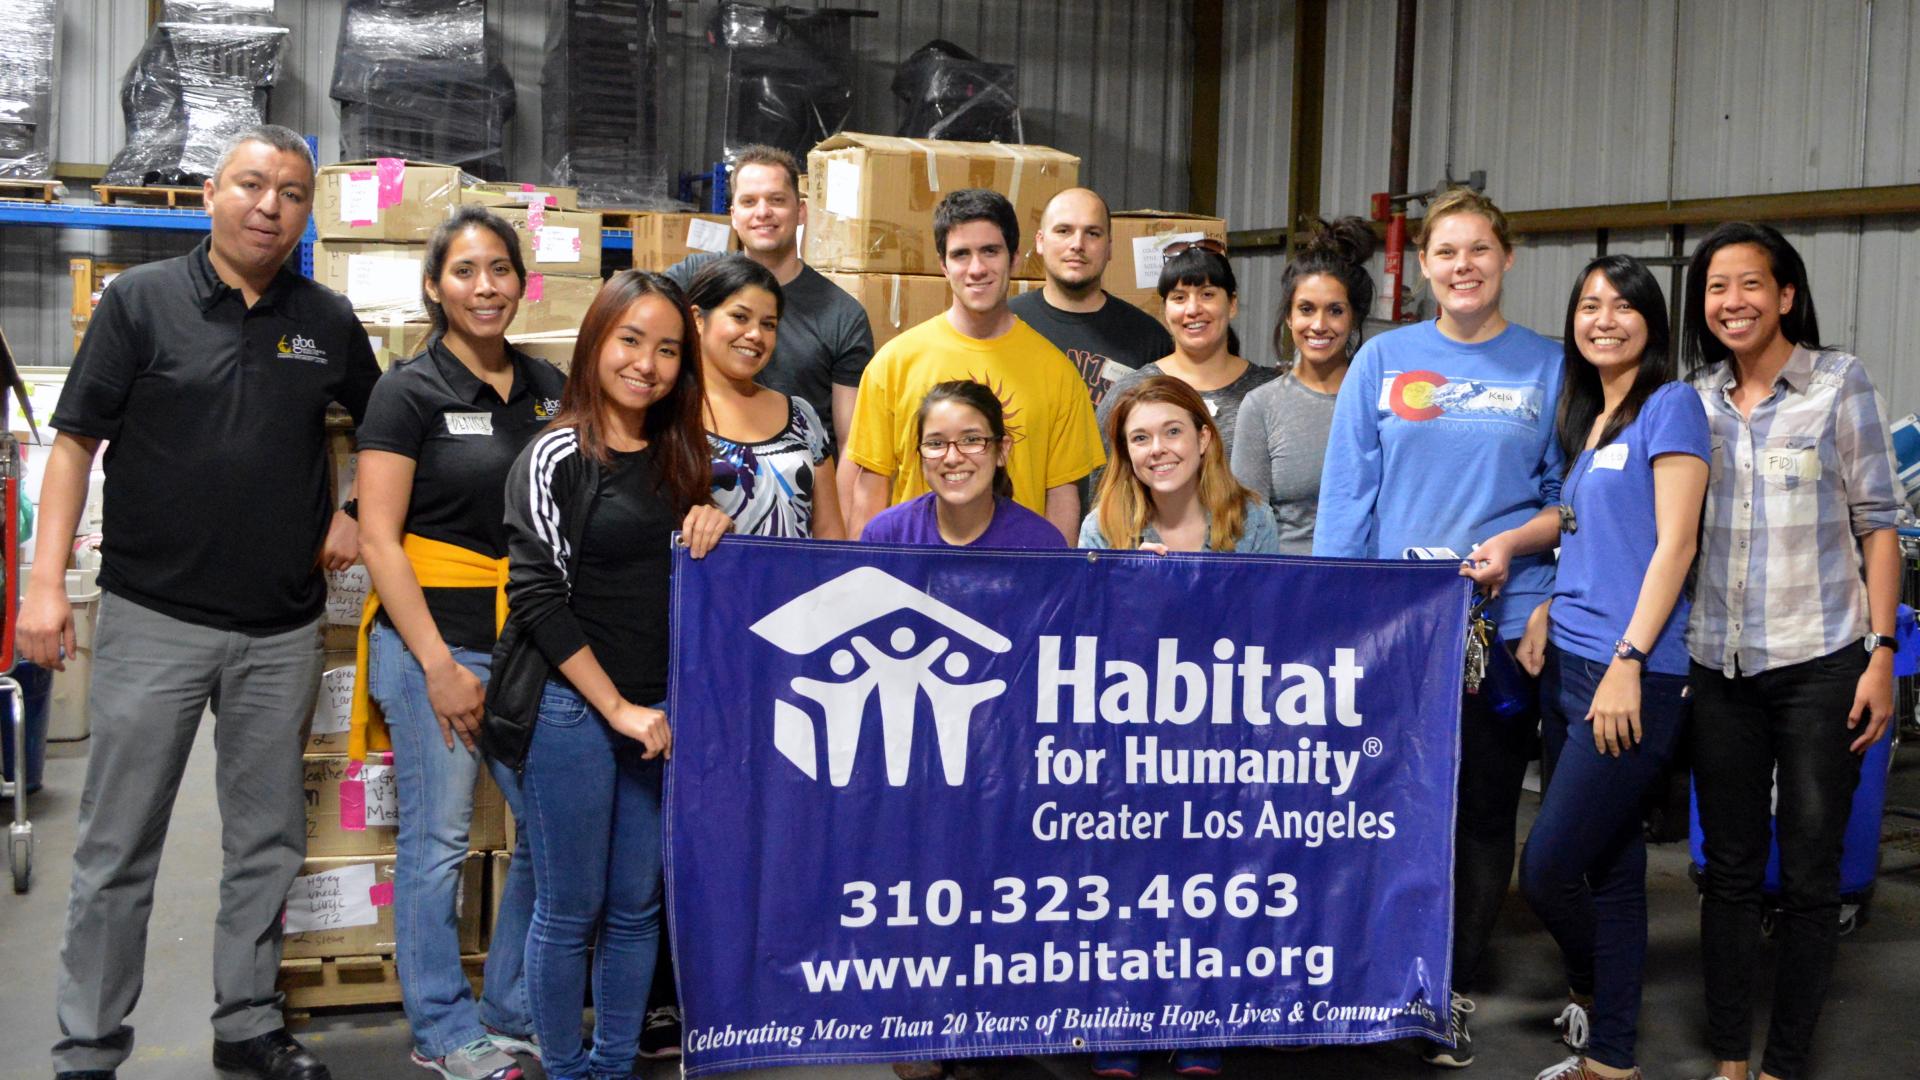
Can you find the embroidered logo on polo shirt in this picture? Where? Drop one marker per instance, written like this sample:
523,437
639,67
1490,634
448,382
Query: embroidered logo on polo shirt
301,347
545,408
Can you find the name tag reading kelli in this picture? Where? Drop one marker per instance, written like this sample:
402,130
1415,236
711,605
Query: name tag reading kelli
471,423
1791,464
1610,456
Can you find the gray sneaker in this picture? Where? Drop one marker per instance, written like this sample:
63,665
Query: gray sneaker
517,1045
478,1060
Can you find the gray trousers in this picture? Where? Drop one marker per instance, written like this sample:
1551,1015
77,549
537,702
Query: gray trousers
153,677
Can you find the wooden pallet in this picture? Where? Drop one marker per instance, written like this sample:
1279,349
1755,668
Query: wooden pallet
351,982
40,191
174,198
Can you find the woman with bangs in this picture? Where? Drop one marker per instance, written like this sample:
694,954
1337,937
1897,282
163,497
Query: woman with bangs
1200,298
591,507
1176,492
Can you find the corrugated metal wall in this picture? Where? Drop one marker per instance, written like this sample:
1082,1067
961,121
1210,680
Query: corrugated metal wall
1106,79
1627,101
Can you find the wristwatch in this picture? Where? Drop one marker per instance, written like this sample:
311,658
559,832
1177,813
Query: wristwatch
1881,641
351,508
1625,650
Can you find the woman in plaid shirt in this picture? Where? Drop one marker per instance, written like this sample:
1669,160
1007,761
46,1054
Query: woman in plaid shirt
1800,501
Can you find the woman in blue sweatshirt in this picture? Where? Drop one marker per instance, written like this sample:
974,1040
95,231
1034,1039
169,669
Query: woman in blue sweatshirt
1443,436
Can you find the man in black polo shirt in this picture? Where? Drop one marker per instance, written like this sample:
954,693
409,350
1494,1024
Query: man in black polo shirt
209,377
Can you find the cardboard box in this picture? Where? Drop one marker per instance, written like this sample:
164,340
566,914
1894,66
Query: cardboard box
90,279
873,196
555,347
512,194
557,241
396,340
661,240
344,907
896,302
381,280
1139,238
553,302
498,863
388,199
353,809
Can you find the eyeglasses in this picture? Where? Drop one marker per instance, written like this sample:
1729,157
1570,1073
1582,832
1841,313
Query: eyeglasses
970,445
1205,243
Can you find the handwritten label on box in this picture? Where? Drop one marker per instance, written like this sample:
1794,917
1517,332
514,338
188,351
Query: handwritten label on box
346,595
332,900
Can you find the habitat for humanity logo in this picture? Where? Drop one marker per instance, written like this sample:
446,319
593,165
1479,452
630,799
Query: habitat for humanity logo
870,600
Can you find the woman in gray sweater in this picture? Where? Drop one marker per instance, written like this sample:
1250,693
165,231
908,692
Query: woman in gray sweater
1280,442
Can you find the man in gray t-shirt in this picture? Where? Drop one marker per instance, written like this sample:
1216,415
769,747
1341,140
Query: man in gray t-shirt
825,340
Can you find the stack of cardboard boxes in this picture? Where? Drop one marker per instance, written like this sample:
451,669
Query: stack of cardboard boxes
662,239
340,940
374,218
90,278
870,215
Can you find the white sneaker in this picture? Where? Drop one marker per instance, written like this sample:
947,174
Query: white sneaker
478,1060
1572,1023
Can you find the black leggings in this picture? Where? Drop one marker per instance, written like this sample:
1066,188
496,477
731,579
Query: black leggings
1494,751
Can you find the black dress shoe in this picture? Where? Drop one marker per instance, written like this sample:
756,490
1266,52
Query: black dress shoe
273,1056
85,1074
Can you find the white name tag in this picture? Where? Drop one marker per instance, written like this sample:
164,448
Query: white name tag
1791,464
469,423
1610,456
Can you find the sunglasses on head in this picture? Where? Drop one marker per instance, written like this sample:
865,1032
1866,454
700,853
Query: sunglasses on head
1205,243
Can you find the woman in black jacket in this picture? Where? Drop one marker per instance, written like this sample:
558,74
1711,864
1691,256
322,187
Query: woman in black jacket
591,506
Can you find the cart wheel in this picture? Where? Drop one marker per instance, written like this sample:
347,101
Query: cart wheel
1768,922
1849,919
20,856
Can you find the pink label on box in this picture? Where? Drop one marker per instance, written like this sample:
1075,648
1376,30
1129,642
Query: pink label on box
536,217
536,286
382,894
353,800
393,180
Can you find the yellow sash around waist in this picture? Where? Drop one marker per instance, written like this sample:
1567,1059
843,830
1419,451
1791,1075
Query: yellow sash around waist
436,565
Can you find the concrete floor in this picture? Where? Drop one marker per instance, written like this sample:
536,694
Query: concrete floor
1869,1029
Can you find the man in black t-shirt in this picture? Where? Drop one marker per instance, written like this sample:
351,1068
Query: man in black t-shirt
825,340
1105,337
208,377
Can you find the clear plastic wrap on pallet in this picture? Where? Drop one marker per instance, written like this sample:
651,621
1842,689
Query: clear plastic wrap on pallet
29,70
192,89
422,80
786,76
218,12
946,92
603,130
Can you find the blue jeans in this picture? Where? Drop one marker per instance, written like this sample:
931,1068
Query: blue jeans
435,787
593,811
1584,871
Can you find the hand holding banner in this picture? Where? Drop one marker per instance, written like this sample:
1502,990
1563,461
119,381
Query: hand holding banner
945,803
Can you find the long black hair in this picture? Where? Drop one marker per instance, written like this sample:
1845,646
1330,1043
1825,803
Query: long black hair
1799,325
1581,399
1339,250
727,275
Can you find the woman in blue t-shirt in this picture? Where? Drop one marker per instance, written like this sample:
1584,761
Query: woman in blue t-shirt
1443,436
1610,647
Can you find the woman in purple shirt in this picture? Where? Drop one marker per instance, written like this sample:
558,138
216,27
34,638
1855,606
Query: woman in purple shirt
961,429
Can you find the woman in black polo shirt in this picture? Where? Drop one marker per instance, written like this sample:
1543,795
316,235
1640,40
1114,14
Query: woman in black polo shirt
441,433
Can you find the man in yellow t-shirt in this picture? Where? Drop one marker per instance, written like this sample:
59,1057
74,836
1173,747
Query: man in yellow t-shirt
1055,440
